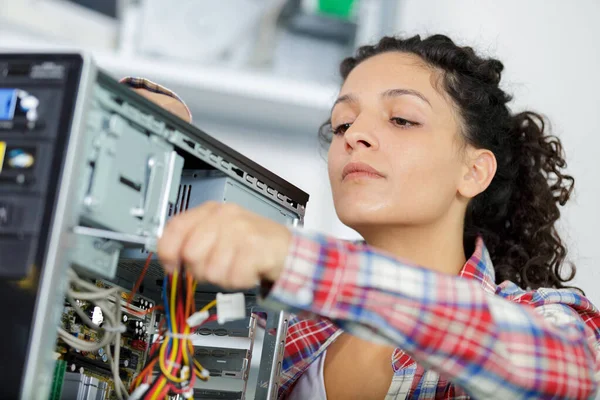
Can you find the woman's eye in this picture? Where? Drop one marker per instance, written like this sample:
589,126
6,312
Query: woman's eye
403,123
341,129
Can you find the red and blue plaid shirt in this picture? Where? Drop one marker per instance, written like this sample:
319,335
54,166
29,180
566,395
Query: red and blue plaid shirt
456,336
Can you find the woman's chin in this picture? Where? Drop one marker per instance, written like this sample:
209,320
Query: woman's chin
357,217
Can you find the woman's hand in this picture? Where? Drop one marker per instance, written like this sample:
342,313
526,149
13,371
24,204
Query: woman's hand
225,245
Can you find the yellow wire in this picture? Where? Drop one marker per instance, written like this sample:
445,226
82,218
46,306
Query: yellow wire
172,308
190,346
209,306
159,389
199,366
173,298
167,370
185,353
164,369
199,369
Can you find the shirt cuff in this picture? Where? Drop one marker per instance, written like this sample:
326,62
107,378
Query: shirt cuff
143,83
295,289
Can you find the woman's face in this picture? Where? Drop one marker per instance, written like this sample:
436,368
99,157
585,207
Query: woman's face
395,156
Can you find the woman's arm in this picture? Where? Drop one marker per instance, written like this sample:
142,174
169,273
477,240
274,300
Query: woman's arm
527,345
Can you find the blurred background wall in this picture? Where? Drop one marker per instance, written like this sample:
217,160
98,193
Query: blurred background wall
261,75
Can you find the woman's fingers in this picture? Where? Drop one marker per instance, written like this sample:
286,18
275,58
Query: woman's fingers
225,245
174,245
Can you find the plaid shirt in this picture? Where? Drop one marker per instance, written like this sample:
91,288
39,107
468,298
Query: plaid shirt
457,336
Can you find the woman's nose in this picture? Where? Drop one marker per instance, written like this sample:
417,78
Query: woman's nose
360,136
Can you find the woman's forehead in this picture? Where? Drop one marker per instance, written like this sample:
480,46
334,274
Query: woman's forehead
392,70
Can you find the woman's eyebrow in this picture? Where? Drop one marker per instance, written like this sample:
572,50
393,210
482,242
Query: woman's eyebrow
405,92
347,98
350,98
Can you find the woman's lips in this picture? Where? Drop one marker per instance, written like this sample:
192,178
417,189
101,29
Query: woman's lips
356,170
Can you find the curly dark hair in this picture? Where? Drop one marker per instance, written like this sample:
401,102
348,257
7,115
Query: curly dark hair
516,214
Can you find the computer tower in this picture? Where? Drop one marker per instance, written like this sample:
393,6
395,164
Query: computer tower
90,173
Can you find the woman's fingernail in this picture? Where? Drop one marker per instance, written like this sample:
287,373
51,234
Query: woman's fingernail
169,268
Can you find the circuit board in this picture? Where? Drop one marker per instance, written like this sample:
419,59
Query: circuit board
139,320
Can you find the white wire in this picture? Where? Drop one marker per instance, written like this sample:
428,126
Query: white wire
79,344
112,327
91,296
79,311
85,345
180,336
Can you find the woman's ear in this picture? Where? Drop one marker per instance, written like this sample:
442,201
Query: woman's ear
480,168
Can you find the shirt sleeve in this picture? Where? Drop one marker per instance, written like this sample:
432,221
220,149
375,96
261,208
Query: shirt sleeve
143,83
542,344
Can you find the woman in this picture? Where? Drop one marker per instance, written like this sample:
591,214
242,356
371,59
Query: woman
459,289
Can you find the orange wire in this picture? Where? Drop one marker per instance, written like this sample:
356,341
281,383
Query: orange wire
139,281
142,374
130,297
190,307
145,312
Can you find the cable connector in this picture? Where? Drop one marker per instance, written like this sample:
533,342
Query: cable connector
204,374
197,318
189,394
185,373
230,306
139,391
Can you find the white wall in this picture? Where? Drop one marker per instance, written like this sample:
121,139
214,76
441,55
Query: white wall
551,52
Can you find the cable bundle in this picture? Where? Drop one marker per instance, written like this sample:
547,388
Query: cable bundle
172,350
81,290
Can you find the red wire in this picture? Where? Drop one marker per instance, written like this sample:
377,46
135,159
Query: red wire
165,390
180,317
209,319
177,390
140,279
156,343
153,388
183,307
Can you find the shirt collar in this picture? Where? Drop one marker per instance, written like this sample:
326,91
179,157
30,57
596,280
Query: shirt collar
479,267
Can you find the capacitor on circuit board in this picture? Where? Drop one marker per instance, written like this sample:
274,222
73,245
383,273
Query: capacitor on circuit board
73,368
131,326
